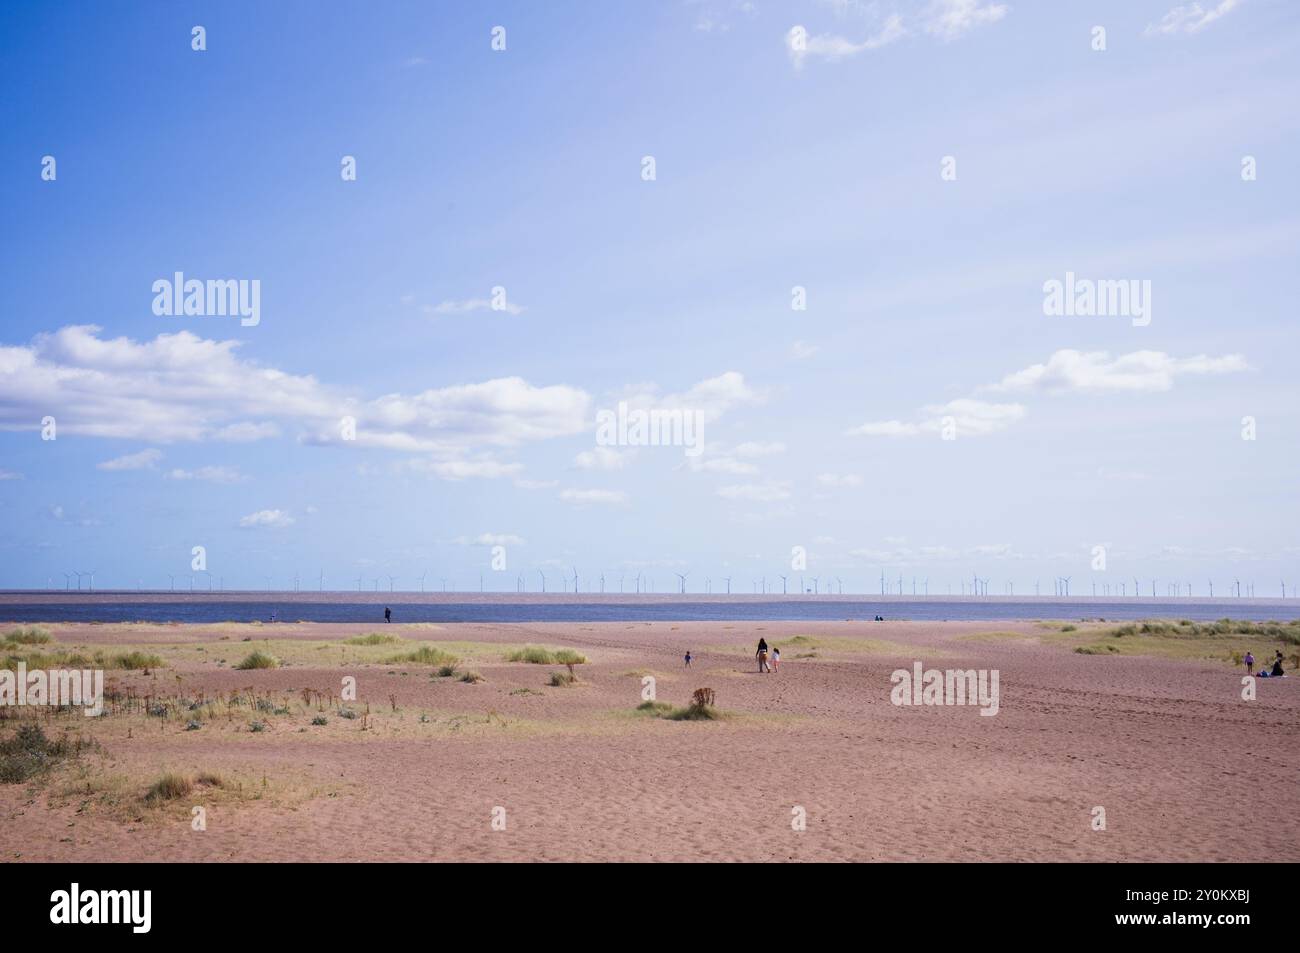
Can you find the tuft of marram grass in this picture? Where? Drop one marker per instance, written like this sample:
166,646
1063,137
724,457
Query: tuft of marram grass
28,635
561,680
372,638
471,677
446,671
424,655
258,659
169,787
540,655
677,713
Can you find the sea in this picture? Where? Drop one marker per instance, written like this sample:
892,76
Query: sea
368,607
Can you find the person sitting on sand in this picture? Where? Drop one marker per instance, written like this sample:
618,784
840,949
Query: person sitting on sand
761,655
388,614
1277,666
1249,660
776,658
688,658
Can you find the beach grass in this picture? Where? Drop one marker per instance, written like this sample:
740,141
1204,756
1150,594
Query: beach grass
258,659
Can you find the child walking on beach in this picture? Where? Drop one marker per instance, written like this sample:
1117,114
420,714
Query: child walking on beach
688,658
1250,663
776,658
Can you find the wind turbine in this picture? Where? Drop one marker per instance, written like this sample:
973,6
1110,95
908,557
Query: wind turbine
422,575
728,578
816,586
391,580
681,580
784,591
91,574
543,575
322,581
1066,580
67,580
841,582
708,584
376,582
1137,587
927,585
602,583
295,582
173,579
575,580
620,584
1238,582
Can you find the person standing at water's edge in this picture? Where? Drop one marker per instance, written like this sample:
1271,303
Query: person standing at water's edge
388,614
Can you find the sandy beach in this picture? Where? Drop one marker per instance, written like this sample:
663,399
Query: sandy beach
1153,731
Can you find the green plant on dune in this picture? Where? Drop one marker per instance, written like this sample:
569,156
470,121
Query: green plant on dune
28,635
372,638
424,655
258,659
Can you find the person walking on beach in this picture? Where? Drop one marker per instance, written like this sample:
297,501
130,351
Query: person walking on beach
761,655
1250,663
688,658
776,658
388,614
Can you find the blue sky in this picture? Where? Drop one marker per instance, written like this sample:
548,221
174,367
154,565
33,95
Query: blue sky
794,145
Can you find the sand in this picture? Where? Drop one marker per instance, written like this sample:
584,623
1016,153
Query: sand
1184,769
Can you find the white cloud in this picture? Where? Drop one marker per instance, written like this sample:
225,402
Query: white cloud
884,428
1095,372
144,460
832,47
969,417
756,492
1191,18
1065,371
839,479
536,484
10,475
471,304
600,497
949,19
801,350
759,448
180,387
603,458
490,539
721,465
272,518
468,469
208,475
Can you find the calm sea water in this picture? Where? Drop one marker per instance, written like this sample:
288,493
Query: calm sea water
299,607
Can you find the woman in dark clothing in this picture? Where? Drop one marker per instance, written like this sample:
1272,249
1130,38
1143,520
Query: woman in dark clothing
761,655
1277,666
